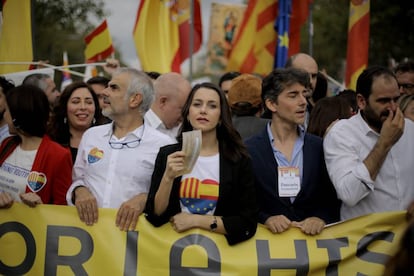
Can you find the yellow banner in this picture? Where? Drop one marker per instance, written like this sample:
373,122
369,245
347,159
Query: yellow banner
50,240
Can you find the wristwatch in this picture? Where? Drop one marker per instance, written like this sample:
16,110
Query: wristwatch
213,226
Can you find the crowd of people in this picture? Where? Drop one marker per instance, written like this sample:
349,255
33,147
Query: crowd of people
276,150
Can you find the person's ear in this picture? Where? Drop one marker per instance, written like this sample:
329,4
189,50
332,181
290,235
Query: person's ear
361,101
271,105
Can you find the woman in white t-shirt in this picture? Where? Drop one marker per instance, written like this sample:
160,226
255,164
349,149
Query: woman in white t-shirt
218,194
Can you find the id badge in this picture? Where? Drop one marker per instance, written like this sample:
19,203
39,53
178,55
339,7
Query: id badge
288,181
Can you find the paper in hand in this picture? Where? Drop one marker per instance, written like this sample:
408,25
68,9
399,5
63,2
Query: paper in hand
191,148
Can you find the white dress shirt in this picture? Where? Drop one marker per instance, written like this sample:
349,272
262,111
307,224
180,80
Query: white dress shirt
116,175
151,119
346,146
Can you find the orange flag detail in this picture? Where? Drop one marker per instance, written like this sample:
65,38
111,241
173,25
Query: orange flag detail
161,34
358,41
98,44
254,46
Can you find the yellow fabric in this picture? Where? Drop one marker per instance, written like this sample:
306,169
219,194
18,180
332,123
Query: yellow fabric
97,48
16,36
51,239
156,36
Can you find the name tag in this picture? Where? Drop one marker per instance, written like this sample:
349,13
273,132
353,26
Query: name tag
288,181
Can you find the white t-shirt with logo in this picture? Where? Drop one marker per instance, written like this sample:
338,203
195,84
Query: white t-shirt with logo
199,190
15,171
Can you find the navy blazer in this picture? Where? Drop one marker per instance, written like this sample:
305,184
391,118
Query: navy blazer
236,204
317,197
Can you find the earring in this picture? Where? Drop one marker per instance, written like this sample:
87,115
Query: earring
94,121
65,120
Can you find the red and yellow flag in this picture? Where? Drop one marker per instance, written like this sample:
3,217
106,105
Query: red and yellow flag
358,41
15,35
161,34
254,46
98,44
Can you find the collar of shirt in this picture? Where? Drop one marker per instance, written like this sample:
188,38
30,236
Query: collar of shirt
153,120
297,154
137,133
365,128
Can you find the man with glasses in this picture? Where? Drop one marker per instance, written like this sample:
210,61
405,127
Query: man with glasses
405,77
115,161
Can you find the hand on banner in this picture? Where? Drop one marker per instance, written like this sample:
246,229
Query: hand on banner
310,226
86,205
278,224
129,212
31,199
6,201
111,65
182,222
410,212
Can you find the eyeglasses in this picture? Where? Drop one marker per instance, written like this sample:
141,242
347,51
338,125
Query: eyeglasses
407,86
119,145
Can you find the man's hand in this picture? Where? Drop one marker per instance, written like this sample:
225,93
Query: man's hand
6,201
310,226
31,199
111,66
392,128
129,212
278,224
410,212
86,205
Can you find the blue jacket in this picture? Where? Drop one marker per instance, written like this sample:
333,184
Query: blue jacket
317,197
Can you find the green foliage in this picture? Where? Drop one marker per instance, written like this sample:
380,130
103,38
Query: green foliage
391,33
60,25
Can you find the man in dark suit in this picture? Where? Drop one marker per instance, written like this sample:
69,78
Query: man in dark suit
293,185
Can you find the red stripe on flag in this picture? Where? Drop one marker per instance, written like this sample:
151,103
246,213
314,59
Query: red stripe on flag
247,15
102,55
96,32
358,45
267,15
249,62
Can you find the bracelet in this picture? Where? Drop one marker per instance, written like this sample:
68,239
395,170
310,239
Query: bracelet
213,226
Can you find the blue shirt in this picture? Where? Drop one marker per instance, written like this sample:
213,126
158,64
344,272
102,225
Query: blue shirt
296,159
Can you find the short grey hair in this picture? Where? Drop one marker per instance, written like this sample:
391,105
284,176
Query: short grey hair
139,83
38,80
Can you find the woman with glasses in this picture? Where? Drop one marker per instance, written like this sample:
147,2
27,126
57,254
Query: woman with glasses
218,193
76,111
33,168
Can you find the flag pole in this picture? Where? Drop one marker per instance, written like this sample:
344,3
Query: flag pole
310,29
191,48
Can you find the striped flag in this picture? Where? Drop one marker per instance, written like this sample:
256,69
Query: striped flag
161,34
358,41
98,44
299,15
16,35
282,27
254,46
66,80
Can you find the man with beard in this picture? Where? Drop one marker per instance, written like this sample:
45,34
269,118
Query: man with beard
370,156
5,86
115,161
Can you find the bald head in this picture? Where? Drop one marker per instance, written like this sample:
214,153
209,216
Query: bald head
171,92
304,62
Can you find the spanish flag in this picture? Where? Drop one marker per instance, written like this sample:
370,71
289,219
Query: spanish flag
161,34
358,41
15,35
98,44
254,46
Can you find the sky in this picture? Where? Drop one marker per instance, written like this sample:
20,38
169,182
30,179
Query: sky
121,20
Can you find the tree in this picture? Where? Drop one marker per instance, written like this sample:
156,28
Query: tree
391,33
61,25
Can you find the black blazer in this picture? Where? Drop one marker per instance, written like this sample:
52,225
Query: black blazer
236,204
317,197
